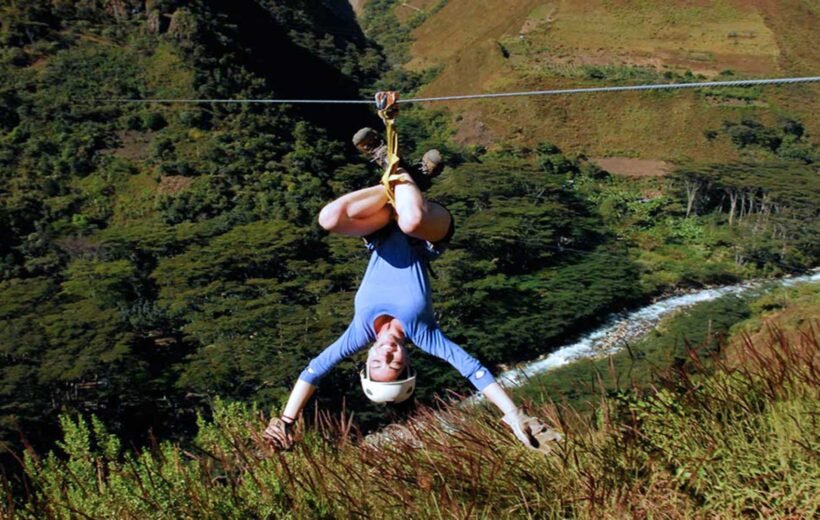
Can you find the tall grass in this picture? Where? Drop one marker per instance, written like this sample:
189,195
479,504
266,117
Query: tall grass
736,441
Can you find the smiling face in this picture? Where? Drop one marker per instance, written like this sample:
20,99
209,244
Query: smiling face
387,358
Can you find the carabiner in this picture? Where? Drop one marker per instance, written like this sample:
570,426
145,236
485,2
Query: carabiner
387,103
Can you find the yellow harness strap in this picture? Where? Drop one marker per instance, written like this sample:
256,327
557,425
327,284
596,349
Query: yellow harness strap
386,102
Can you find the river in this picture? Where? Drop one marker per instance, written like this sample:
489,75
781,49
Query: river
631,326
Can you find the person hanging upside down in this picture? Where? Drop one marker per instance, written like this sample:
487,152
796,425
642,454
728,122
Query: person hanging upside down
393,305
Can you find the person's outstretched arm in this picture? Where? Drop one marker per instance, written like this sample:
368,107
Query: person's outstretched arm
496,395
529,430
532,432
280,429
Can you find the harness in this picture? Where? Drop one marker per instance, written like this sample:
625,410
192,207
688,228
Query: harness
388,109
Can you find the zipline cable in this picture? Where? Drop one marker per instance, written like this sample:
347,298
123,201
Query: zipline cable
585,90
658,86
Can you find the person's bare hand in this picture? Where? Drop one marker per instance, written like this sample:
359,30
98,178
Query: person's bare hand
279,433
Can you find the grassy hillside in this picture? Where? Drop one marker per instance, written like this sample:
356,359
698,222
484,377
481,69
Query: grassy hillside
712,438
492,46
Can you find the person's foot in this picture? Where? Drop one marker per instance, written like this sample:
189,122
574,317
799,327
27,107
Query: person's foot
427,169
431,163
370,143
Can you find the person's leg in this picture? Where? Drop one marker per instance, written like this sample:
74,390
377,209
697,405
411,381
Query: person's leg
419,217
359,213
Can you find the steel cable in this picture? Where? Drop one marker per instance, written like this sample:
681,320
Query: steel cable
585,90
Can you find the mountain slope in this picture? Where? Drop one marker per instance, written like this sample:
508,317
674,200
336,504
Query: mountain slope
495,45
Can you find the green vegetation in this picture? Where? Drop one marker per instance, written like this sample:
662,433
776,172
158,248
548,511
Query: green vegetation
701,329
788,140
728,439
770,207
381,24
101,202
161,271
155,257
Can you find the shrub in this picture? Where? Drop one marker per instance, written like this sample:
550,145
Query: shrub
154,121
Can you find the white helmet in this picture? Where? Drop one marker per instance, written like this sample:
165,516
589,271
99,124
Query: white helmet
388,391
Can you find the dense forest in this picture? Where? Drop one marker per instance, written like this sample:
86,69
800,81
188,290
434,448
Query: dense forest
156,257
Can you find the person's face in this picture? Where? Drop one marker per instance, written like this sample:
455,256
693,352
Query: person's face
387,359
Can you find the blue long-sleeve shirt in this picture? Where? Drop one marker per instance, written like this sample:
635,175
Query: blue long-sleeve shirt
396,284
